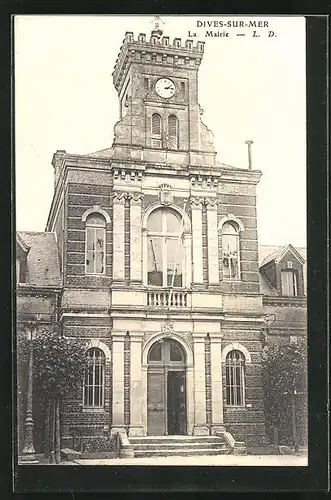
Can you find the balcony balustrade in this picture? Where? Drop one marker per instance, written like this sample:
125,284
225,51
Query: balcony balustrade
164,298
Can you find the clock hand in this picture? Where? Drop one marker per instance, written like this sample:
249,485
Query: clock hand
166,88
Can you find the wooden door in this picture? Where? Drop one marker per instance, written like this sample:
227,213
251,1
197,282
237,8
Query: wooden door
176,403
181,380
156,403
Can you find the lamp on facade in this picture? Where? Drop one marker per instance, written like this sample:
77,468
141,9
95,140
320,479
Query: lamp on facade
28,449
269,320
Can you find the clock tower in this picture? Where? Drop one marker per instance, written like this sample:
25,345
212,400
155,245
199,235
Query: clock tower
157,82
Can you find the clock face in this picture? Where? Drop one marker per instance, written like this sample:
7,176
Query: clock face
165,88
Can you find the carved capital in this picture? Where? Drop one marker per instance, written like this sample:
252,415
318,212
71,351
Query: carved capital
136,198
211,202
119,197
196,202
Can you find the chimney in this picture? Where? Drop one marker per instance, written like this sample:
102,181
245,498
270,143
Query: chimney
57,163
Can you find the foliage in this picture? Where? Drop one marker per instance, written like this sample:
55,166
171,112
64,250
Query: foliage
97,444
58,362
285,377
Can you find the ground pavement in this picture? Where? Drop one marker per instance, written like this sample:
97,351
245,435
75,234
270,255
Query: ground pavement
225,460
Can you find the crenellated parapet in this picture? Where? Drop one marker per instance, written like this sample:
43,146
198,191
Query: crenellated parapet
156,48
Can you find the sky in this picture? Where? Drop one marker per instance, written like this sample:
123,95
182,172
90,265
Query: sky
250,87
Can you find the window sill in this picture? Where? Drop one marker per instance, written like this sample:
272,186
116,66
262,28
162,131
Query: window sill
235,407
93,410
95,274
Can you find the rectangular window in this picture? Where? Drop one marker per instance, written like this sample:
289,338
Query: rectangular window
155,261
174,265
146,84
289,283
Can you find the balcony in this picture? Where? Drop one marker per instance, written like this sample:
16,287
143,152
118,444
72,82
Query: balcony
163,298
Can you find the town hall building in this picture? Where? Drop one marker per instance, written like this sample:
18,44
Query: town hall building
151,254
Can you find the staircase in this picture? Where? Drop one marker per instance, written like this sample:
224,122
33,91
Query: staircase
182,446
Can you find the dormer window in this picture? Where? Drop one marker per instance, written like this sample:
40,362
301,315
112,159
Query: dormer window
289,283
283,270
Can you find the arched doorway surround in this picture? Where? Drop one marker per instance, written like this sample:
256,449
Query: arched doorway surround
167,370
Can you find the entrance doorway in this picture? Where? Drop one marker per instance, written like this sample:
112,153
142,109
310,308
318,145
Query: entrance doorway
166,389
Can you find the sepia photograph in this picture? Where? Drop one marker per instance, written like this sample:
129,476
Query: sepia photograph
160,171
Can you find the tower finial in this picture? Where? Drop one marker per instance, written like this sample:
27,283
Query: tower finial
156,25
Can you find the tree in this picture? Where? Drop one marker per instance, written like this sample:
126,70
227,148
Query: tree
285,382
59,364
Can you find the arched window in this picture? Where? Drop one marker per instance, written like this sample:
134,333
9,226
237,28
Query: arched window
156,131
230,251
95,244
166,351
165,251
172,132
235,378
94,380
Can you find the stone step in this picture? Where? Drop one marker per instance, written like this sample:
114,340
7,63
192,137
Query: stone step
179,452
175,439
175,445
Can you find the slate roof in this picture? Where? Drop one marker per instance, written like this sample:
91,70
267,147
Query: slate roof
43,265
277,254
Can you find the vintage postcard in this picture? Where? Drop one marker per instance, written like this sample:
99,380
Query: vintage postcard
161,240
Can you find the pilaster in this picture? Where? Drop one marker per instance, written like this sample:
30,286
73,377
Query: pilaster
212,238
118,235
216,383
200,424
118,381
135,237
196,207
137,393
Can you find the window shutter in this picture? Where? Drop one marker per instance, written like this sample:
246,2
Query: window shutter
172,123
156,124
172,132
